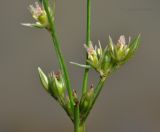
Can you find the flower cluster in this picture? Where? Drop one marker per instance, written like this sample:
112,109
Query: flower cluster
39,14
54,84
114,55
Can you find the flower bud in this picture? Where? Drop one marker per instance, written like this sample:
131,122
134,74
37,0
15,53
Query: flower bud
43,78
106,63
86,100
56,85
75,97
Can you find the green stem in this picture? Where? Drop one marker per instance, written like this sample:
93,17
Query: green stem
88,39
56,45
82,128
76,118
78,127
97,92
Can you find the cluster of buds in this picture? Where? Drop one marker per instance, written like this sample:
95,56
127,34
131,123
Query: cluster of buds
39,14
104,61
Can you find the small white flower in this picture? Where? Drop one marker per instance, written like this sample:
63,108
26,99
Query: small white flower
122,40
36,11
120,50
93,53
123,46
39,14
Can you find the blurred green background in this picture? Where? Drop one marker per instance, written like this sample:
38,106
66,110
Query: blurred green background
129,102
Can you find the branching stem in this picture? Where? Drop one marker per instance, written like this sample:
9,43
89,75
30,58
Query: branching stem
97,92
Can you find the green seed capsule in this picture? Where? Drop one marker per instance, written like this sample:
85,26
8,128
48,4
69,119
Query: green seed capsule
43,78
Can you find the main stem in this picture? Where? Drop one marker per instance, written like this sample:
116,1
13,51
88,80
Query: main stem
78,127
56,44
88,39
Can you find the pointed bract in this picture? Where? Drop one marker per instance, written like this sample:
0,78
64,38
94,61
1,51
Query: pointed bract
81,65
36,25
133,46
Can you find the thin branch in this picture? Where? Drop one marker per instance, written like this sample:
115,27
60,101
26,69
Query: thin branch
88,39
97,92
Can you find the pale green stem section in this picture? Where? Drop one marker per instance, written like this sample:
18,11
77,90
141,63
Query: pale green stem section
56,45
76,118
82,128
88,39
